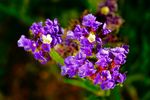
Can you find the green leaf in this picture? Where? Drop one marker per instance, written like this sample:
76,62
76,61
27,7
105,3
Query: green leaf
56,57
88,85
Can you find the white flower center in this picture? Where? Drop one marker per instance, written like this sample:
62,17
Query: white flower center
91,37
47,38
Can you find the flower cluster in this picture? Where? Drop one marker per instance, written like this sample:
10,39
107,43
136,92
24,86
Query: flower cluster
93,61
83,46
44,38
108,64
86,33
78,65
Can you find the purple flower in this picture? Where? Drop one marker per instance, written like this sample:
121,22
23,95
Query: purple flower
71,66
45,37
27,44
105,80
37,28
86,69
77,33
87,50
46,47
106,75
103,57
97,79
78,65
119,55
109,84
90,21
51,27
102,69
70,70
105,30
103,76
118,77
70,60
126,47
24,42
84,42
70,35
86,47
42,57
80,58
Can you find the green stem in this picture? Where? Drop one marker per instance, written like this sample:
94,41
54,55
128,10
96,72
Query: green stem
56,57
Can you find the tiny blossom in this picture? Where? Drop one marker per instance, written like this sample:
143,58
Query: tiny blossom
78,65
90,21
37,28
24,42
103,57
105,30
77,33
106,75
86,69
118,77
44,38
119,55
109,84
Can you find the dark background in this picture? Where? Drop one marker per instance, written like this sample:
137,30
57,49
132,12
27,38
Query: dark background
23,78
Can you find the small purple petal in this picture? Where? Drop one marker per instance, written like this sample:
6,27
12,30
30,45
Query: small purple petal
109,84
24,42
90,21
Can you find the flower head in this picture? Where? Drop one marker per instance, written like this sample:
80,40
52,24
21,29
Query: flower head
44,38
90,21
92,60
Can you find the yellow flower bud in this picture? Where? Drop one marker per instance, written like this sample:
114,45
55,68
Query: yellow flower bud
104,10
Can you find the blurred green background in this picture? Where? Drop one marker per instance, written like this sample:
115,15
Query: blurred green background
23,78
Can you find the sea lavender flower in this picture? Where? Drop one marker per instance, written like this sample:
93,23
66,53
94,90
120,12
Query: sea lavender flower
118,77
37,28
24,42
86,69
105,30
87,35
77,33
44,38
103,58
78,65
108,64
119,55
90,21
99,64
71,67
109,84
